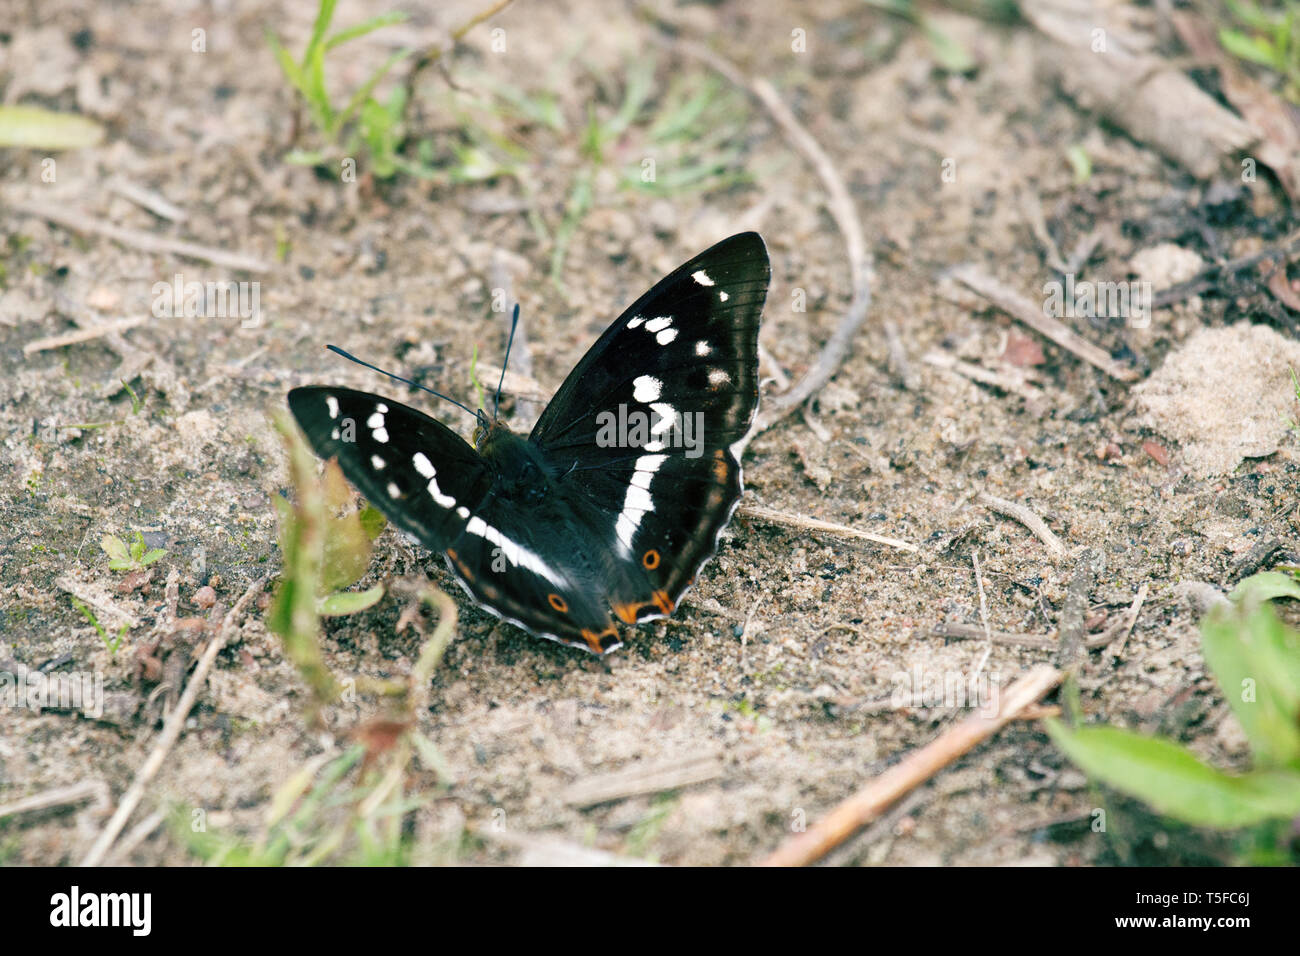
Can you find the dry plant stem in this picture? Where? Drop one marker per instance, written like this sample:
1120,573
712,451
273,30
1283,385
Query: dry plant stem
145,241
434,53
171,730
135,836
1130,621
58,797
842,211
916,768
86,334
664,775
147,199
984,604
898,361
1021,309
975,632
1208,277
1075,609
1027,518
977,373
788,520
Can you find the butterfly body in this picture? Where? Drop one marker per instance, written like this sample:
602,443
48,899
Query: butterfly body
606,511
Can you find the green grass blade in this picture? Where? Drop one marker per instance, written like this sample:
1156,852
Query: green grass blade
364,27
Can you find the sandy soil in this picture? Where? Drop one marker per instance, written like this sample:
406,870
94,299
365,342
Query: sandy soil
797,714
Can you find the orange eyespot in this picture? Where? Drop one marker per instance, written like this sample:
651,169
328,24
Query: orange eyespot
595,642
558,603
650,559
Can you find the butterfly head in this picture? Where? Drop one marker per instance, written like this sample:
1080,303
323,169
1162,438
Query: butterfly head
483,428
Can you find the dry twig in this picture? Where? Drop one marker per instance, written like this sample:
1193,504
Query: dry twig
171,731
84,334
1027,518
916,768
642,779
800,523
844,213
1021,309
80,222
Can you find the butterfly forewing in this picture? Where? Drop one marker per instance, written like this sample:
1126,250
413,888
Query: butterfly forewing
423,476
643,427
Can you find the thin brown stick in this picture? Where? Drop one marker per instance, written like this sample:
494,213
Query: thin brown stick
1016,385
984,604
80,222
637,779
799,522
1209,276
147,199
1072,626
1021,309
434,53
1130,620
975,632
135,836
85,334
1027,518
171,730
916,768
898,361
96,790
842,210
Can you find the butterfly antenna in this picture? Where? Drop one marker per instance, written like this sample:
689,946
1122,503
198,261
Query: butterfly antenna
514,324
398,378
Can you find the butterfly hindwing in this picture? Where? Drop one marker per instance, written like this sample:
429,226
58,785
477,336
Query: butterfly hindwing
533,566
423,476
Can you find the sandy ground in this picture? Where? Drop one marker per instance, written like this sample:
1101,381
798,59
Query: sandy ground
788,720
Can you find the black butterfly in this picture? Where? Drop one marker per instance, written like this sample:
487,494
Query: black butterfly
608,510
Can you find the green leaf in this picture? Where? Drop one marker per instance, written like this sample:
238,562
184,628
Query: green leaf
288,66
432,758
305,157
114,547
302,529
349,602
361,95
1264,587
33,128
1174,782
137,547
1256,660
951,55
1080,163
323,17
364,27
1250,48
152,556
345,554
372,521
121,564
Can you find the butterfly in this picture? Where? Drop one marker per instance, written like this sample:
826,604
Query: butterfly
608,509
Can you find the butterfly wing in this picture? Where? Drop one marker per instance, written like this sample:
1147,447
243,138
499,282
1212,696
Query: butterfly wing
532,565
682,361
423,476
